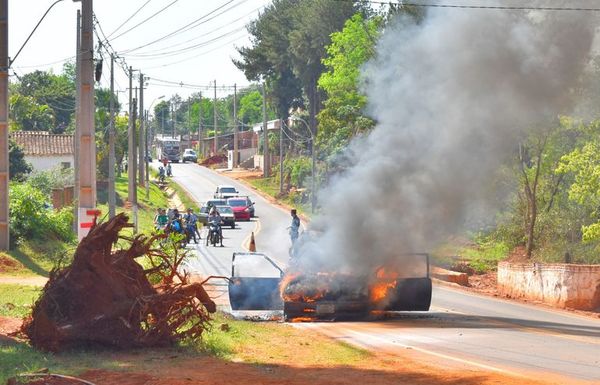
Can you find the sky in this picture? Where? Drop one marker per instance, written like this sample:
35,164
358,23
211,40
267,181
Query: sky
196,56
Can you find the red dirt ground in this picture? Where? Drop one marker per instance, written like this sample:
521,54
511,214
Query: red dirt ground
175,369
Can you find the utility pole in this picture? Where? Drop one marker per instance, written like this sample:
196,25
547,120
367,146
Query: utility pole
146,163
236,154
266,160
111,142
4,163
216,144
132,193
281,155
172,121
141,141
200,143
133,165
77,123
87,143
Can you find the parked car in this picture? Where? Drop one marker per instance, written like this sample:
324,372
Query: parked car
224,192
189,155
225,211
243,207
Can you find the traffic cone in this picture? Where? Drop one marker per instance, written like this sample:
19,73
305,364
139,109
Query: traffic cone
252,246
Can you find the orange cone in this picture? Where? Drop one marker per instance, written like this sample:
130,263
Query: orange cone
252,246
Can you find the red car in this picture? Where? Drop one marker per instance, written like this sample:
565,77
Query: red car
242,208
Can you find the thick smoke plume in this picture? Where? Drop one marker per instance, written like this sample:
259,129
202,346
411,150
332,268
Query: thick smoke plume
452,97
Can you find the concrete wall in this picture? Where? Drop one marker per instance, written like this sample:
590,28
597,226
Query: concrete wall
561,285
43,163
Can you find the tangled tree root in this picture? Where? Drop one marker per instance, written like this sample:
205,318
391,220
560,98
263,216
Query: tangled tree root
105,297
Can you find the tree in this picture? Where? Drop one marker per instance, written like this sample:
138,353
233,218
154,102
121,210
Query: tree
18,166
288,45
55,91
342,116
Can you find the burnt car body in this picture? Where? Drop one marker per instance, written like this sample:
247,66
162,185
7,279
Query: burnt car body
330,296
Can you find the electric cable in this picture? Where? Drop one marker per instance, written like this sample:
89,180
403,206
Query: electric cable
146,19
128,19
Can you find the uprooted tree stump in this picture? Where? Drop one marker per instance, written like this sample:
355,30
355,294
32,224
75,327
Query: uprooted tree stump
105,298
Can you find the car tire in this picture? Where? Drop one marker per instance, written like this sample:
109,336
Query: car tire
233,225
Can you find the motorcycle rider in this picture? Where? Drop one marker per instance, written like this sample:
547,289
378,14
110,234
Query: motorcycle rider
169,171
161,219
215,218
191,224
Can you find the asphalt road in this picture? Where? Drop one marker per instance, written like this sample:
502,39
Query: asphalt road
461,330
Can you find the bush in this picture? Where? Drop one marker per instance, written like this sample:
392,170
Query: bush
55,178
31,216
298,169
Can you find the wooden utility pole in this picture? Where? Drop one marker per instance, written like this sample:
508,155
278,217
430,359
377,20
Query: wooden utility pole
87,142
131,170
4,163
200,143
216,143
281,155
111,143
236,154
266,160
141,141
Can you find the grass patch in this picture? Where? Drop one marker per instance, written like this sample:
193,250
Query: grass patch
184,196
273,343
16,300
482,255
270,186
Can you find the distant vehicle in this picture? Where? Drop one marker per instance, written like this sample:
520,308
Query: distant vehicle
226,213
243,208
216,202
169,148
224,192
189,155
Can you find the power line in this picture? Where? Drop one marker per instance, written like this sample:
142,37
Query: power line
187,27
128,19
146,19
213,30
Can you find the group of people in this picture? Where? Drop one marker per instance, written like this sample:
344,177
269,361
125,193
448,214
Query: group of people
173,221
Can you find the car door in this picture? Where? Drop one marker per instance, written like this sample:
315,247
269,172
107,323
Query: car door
254,283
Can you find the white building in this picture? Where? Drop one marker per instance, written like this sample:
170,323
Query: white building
44,150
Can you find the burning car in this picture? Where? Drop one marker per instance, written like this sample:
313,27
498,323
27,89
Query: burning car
330,295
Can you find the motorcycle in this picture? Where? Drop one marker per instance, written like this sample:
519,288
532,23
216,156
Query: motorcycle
169,171
214,234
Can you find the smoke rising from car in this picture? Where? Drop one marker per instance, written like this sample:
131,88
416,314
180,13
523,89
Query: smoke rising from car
452,96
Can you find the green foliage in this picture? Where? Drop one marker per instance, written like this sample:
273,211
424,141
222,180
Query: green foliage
56,92
57,177
342,118
32,218
298,169
250,110
18,166
288,44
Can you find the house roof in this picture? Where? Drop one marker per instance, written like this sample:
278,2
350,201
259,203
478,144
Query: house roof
43,143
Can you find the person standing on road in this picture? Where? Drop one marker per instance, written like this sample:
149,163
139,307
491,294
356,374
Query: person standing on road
191,222
295,227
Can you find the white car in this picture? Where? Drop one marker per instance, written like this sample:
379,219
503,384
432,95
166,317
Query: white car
189,155
225,192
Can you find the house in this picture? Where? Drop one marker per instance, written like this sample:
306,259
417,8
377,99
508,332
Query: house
44,150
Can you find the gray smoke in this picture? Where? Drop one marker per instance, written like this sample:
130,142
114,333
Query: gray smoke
452,97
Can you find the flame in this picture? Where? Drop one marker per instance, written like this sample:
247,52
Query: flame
385,281
302,319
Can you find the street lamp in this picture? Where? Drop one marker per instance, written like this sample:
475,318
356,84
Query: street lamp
313,200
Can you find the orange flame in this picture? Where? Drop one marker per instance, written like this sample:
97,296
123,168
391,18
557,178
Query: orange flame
386,280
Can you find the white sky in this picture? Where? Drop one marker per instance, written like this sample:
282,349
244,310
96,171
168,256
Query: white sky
54,41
